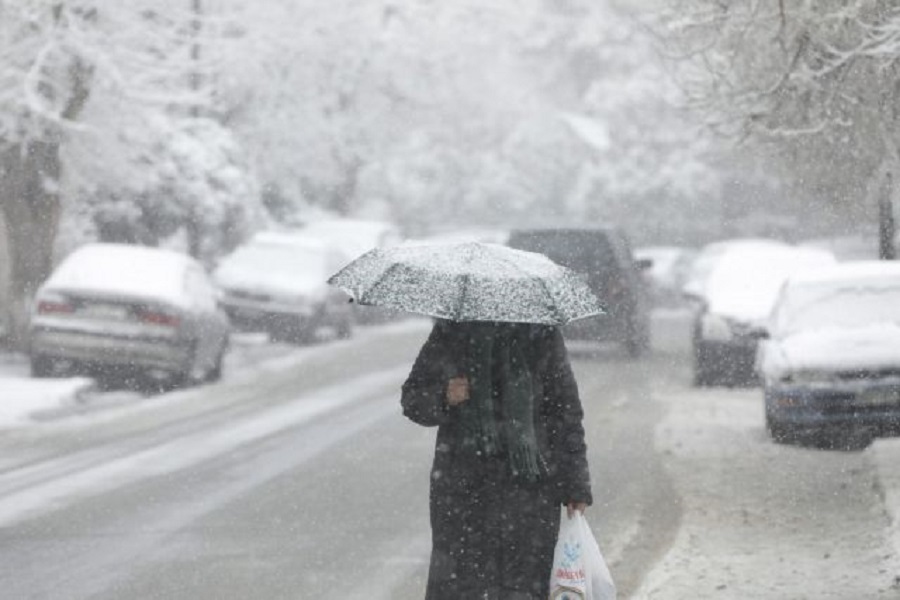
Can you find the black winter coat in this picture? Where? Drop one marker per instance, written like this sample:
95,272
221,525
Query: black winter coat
492,535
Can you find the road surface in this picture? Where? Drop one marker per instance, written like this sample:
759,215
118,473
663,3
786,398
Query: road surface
301,479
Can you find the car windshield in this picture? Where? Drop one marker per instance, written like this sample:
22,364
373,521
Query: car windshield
812,308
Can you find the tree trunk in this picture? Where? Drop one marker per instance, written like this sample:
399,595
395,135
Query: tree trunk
31,210
886,226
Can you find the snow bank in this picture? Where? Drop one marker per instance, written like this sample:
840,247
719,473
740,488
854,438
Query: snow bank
22,398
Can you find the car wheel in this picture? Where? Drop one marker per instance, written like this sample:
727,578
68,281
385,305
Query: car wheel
703,377
779,431
345,329
215,373
42,366
187,376
299,332
703,374
637,345
637,339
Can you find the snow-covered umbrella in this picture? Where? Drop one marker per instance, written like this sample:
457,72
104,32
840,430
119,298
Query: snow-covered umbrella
469,281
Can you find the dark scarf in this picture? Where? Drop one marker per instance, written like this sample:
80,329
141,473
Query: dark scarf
496,356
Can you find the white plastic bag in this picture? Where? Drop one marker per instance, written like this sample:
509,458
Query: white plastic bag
579,571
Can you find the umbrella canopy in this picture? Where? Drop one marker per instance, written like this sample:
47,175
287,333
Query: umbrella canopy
469,282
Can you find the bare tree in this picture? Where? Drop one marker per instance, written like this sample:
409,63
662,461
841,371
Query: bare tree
815,80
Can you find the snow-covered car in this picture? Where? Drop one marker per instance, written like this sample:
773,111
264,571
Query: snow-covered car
469,234
122,307
734,299
355,237
831,357
277,283
704,262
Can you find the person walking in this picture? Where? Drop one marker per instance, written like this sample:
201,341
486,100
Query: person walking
510,450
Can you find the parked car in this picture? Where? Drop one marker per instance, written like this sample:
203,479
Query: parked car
355,237
122,307
831,357
486,235
733,298
703,263
604,256
276,283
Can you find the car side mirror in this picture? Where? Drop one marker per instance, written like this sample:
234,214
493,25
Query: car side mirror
759,333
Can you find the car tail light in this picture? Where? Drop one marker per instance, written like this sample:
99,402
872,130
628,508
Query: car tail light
155,317
786,402
54,307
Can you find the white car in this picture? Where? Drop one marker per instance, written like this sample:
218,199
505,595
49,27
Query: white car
277,283
121,307
733,301
355,237
831,357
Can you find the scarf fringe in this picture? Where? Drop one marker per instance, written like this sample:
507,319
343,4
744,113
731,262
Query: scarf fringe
526,462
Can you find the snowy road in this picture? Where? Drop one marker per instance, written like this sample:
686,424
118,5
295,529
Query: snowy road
302,480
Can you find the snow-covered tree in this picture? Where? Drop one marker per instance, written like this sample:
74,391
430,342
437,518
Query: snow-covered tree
816,81
97,96
460,111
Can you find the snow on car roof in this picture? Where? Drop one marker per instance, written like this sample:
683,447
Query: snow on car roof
744,282
123,270
355,226
849,272
294,238
354,236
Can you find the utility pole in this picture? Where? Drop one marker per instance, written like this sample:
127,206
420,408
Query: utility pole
193,227
886,225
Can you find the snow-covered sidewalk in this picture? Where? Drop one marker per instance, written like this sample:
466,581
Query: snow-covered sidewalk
885,453
767,520
22,397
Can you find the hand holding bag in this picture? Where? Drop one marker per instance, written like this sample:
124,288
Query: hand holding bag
579,570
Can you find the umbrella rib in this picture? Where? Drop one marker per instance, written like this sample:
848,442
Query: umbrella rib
555,305
463,293
381,279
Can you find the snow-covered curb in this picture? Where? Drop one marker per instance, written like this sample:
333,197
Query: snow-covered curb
886,456
23,399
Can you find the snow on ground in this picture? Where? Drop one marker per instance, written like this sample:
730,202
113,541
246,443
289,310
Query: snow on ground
22,396
764,520
886,455
740,537
25,400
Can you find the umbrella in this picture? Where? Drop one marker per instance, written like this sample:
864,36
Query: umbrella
470,281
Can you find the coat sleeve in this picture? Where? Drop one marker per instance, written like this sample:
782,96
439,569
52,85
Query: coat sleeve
570,449
423,396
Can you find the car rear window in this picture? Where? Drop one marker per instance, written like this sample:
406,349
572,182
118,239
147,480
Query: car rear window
585,252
